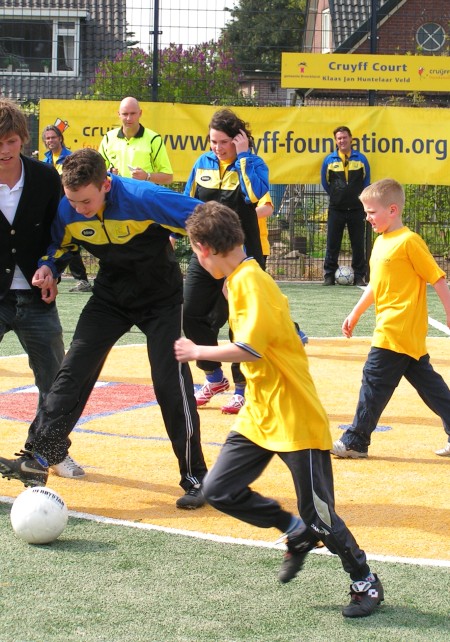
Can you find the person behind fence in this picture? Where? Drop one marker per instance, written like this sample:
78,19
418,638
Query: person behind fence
29,195
53,140
401,265
125,224
282,416
232,173
345,173
134,151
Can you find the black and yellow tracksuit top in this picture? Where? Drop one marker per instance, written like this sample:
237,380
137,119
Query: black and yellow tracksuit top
137,265
344,187
244,182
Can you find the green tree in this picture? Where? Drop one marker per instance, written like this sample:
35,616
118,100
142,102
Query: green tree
260,31
204,73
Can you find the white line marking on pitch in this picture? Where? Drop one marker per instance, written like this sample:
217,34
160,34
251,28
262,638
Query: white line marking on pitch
439,326
226,539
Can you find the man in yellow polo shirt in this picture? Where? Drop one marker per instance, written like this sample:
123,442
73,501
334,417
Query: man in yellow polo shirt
133,150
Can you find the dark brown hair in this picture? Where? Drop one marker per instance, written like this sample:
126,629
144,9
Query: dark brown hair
225,120
215,225
342,128
83,167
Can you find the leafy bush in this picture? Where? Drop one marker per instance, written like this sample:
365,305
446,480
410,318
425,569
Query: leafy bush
204,73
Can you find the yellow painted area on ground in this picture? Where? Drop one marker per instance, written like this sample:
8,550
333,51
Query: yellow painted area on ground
395,502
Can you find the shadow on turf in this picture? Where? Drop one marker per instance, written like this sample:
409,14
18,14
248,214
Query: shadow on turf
438,461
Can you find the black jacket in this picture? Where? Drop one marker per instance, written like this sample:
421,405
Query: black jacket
27,239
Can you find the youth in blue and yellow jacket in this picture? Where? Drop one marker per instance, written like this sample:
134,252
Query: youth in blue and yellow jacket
137,265
243,184
48,158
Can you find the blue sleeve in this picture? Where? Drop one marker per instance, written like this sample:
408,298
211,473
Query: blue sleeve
171,209
62,248
191,186
323,176
367,168
254,176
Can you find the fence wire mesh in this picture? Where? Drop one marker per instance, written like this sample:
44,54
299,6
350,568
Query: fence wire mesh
225,53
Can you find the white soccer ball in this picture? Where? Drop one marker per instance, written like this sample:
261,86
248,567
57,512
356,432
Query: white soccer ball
39,515
344,275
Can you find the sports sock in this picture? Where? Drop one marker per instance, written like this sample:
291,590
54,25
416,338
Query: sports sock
296,523
41,460
214,376
240,389
370,578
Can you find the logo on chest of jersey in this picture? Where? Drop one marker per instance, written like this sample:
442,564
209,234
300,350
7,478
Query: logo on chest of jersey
88,232
205,179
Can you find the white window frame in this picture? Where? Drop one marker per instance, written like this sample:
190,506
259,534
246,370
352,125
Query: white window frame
55,16
326,31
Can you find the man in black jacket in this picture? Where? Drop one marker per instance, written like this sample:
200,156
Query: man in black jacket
345,173
29,195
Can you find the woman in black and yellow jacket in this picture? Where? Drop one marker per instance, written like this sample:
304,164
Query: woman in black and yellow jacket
233,174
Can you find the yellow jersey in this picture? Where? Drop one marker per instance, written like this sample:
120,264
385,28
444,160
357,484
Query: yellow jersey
282,412
401,265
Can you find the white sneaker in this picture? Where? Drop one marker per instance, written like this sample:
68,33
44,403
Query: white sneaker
208,390
444,452
340,450
232,407
68,468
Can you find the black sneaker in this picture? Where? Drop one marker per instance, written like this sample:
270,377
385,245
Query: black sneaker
193,498
365,597
297,549
26,469
329,280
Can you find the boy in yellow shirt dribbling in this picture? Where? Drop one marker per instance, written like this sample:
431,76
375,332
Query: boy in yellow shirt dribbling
282,416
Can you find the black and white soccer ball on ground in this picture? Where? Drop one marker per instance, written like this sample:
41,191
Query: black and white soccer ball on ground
39,515
344,275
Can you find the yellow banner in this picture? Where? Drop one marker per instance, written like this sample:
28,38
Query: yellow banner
405,143
370,71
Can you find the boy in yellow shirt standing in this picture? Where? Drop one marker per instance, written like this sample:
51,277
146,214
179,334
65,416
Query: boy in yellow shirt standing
282,415
401,265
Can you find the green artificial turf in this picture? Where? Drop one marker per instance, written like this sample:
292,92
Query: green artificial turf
319,311
110,583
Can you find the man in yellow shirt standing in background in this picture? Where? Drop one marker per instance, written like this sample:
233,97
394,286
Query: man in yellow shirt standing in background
133,150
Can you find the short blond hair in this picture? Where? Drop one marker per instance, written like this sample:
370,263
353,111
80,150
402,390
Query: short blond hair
386,191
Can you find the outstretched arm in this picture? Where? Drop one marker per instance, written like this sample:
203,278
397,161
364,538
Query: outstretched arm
186,350
443,293
363,304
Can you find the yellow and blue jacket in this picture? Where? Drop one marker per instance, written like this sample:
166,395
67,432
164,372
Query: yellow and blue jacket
244,183
344,182
130,238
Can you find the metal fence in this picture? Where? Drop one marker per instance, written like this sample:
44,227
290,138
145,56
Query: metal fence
298,228
60,50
